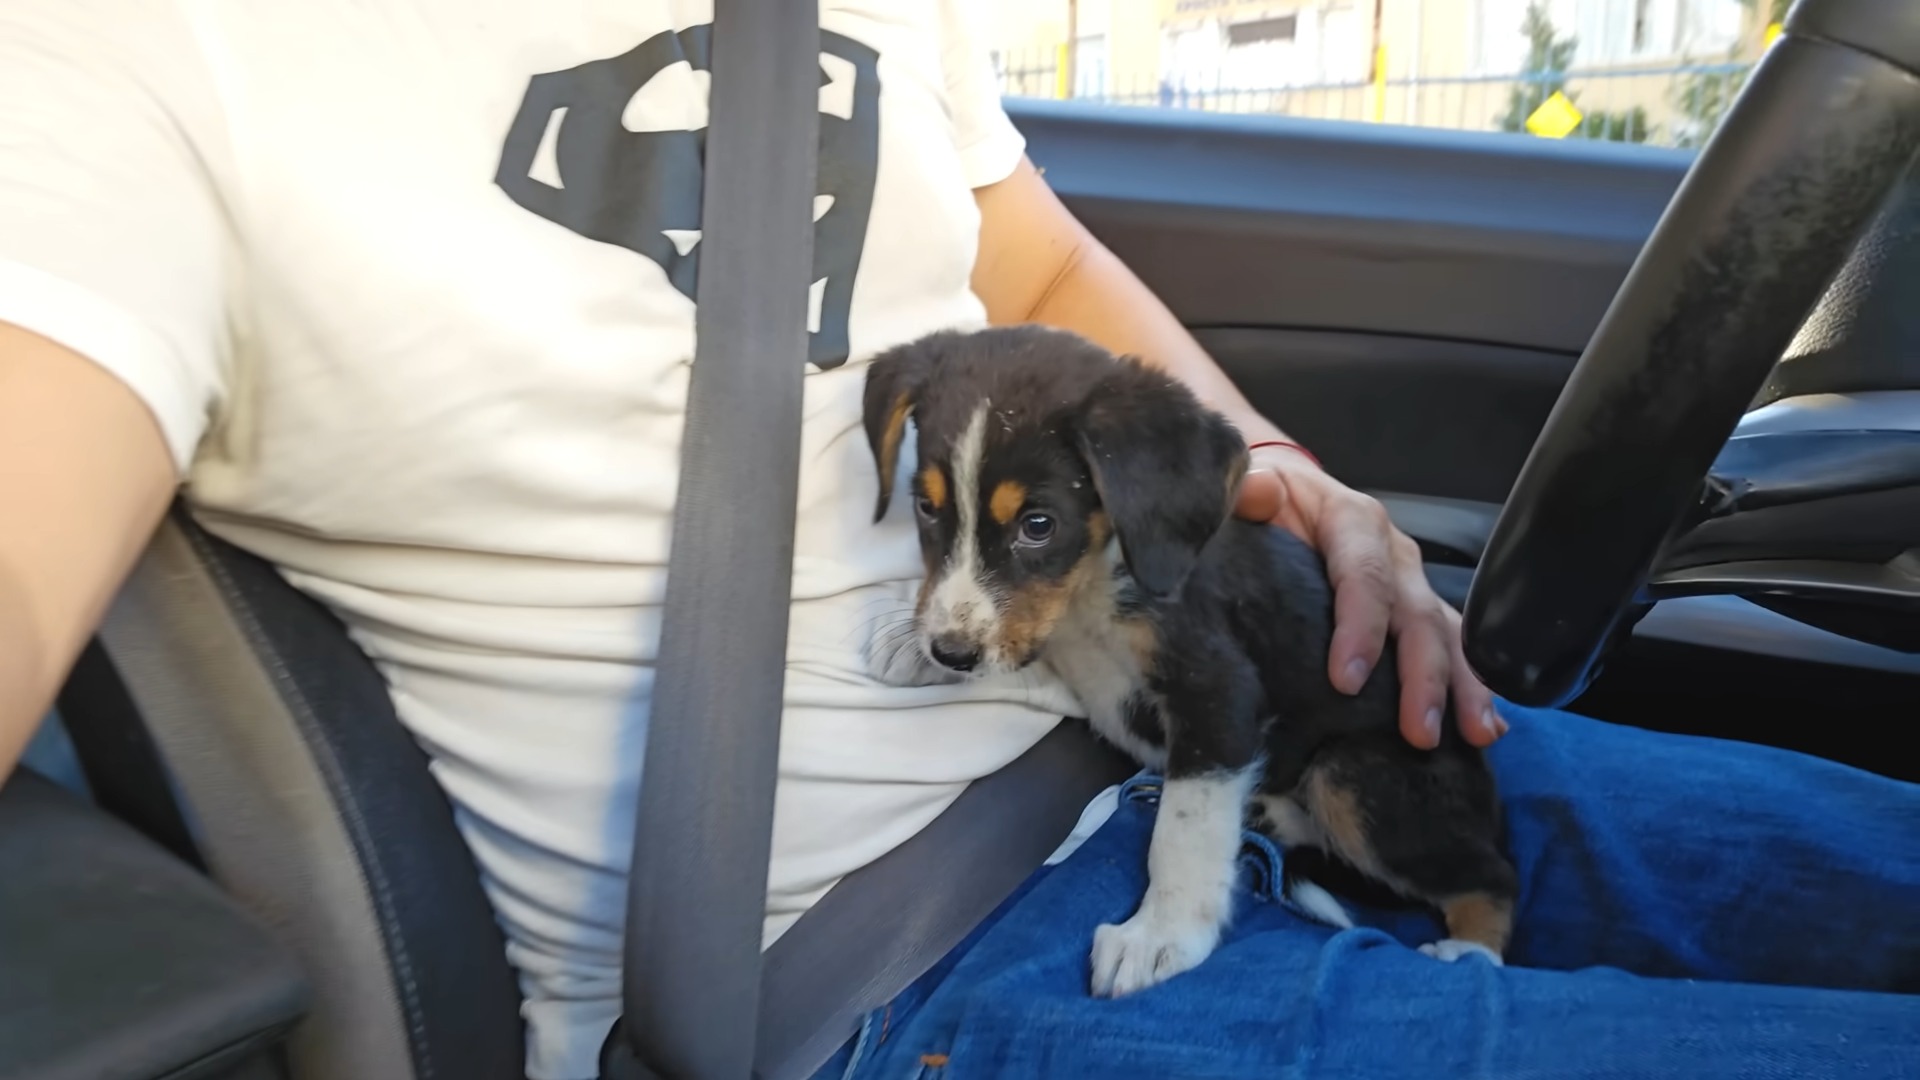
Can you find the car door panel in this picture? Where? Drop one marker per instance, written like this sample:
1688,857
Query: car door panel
1242,220
1406,414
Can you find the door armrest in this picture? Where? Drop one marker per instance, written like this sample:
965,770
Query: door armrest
1451,530
118,961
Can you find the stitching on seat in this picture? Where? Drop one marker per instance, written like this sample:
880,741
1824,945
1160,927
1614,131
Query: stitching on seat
372,870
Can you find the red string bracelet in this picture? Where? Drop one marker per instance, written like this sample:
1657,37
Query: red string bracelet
1293,446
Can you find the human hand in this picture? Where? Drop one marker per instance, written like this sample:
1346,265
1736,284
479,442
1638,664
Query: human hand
1379,587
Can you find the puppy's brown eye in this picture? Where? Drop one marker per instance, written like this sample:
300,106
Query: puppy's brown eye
925,508
1036,529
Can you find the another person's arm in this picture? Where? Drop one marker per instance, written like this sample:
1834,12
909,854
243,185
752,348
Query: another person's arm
1037,263
84,477
114,286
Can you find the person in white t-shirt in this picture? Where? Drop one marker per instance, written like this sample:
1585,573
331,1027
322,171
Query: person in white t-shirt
400,295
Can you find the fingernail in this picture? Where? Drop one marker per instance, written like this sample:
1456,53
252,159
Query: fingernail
1494,721
1356,675
1431,724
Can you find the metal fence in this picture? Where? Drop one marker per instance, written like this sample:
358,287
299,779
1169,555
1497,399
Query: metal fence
1663,106
1041,78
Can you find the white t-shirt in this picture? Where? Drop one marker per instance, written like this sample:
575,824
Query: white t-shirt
406,285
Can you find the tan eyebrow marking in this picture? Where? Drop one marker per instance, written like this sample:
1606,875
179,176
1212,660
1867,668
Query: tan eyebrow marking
1007,500
935,484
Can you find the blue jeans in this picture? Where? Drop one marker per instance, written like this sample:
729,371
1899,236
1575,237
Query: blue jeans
1689,908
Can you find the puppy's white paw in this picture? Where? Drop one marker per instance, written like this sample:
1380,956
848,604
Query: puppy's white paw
1148,949
1451,949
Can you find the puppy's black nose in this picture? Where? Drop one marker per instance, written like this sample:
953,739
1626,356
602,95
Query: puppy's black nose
954,653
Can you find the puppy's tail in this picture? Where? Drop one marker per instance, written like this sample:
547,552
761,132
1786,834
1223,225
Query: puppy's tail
1317,903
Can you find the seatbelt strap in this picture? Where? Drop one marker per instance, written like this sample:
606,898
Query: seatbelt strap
890,922
696,1004
698,886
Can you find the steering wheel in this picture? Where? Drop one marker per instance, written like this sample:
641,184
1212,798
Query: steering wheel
1765,218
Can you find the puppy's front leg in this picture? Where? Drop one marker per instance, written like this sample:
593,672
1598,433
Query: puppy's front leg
1213,763
1191,863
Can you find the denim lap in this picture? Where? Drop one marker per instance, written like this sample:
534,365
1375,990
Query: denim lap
1763,890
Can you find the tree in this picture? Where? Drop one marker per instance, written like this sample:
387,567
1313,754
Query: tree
1701,100
1704,97
1544,74
1548,58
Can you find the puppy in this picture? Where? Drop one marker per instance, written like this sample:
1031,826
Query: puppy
1074,510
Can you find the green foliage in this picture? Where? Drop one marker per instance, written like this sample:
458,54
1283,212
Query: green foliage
1626,126
1548,58
1544,73
1701,100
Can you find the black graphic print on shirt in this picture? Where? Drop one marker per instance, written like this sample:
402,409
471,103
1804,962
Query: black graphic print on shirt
641,190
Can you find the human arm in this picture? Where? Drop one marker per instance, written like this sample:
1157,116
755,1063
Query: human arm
85,476
1037,263
113,316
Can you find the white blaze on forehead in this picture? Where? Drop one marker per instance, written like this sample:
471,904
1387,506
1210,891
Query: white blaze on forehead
966,481
961,603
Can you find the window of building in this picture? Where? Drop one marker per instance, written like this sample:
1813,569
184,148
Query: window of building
1283,28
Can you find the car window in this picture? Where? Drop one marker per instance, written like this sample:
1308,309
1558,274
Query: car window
1661,72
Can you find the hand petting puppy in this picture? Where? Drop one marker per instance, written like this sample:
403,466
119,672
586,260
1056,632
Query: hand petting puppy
1037,264
1379,588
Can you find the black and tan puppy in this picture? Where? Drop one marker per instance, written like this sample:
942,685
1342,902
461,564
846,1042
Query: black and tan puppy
1074,511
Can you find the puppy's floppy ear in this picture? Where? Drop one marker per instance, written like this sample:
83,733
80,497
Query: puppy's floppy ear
894,379
1166,467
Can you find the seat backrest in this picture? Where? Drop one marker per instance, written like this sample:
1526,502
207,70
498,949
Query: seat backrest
278,763
311,804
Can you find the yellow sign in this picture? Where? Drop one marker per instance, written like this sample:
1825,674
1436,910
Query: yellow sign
1773,34
1555,118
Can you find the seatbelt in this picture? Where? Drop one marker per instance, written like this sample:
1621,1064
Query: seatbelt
697,891
700,1003
888,923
